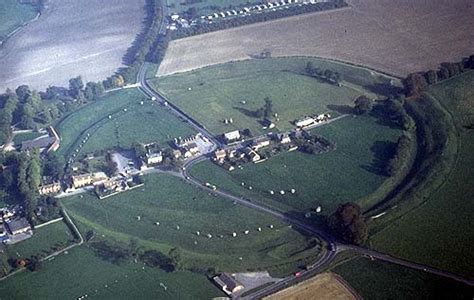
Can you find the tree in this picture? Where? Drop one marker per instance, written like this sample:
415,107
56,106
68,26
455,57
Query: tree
431,77
27,115
75,86
401,155
363,105
23,91
348,223
415,84
267,108
53,166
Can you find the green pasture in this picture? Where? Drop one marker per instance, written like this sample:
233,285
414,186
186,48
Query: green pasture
81,272
40,244
13,14
440,232
348,173
130,121
23,137
380,280
234,90
171,202
144,123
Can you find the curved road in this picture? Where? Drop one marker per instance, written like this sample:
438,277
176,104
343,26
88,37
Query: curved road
333,246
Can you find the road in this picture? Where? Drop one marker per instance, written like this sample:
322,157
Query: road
333,246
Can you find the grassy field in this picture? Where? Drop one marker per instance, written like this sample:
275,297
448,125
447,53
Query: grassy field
139,123
81,272
368,33
348,173
145,123
219,92
13,14
40,244
22,137
205,6
380,280
171,202
326,286
439,233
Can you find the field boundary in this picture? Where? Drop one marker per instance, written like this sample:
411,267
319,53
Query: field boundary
333,60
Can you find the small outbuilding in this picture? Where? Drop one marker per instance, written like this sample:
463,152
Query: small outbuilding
228,284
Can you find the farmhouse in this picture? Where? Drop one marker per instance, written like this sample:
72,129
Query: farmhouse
3,232
176,153
232,136
48,143
228,284
284,138
88,179
17,226
305,122
48,189
219,155
251,154
260,143
154,158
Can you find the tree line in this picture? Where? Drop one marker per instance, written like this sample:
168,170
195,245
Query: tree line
327,75
416,83
28,109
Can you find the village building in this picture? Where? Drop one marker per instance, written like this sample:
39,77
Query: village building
193,148
17,226
48,189
6,213
3,232
220,155
305,122
231,153
176,154
284,138
232,136
228,283
260,143
88,179
154,158
251,154
46,144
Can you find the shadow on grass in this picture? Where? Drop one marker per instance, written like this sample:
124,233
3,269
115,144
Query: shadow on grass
384,88
383,151
342,109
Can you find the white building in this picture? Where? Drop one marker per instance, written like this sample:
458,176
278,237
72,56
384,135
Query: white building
232,136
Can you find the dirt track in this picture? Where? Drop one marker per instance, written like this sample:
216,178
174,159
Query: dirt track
87,38
397,37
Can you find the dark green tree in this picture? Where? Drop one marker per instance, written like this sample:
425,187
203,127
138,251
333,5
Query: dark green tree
363,105
348,223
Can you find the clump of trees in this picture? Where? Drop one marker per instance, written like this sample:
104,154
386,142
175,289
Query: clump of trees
322,74
393,109
348,223
401,154
416,83
363,105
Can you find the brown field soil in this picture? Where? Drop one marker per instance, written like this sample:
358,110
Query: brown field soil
71,38
396,37
323,286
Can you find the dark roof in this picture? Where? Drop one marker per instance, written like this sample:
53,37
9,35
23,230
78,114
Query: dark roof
44,142
18,224
229,281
